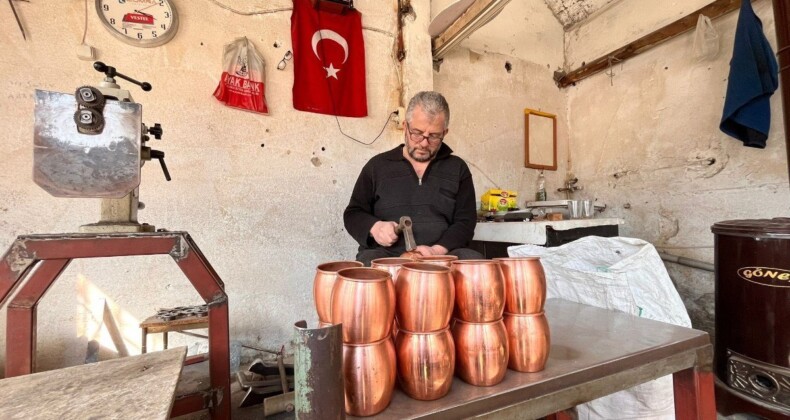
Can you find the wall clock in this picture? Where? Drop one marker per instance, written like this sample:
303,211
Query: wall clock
142,23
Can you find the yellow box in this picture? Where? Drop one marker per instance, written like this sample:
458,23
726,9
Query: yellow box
498,200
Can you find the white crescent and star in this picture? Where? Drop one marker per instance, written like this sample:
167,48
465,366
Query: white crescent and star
329,35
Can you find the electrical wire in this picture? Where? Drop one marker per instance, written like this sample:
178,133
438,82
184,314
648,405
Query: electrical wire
257,12
470,163
85,30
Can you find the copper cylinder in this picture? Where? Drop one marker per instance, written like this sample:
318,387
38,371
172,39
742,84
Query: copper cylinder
529,341
479,290
324,281
426,362
363,300
425,296
443,260
481,352
390,265
525,284
369,373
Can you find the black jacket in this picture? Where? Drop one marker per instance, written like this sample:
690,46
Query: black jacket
441,207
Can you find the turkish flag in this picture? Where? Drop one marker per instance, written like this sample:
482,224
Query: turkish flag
329,61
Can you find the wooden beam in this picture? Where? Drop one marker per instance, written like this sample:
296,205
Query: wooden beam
655,38
450,36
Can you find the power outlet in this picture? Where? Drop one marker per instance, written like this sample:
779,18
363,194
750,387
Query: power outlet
400,117
86,52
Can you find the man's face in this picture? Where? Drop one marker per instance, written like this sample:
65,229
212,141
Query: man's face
424,135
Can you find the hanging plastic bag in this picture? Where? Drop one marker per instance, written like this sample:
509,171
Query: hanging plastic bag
241,85
706,39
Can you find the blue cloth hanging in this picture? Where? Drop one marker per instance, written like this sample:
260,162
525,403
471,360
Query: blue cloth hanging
753,79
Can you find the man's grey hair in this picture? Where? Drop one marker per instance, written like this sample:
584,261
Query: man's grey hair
432,103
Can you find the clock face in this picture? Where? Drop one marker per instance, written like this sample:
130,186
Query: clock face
143,23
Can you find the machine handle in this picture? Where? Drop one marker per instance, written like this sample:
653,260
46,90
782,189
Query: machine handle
111,72
160,155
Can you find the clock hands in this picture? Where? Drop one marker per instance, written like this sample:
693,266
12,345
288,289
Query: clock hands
146,7
140,11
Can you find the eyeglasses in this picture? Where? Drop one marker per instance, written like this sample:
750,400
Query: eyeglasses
281,65
417,136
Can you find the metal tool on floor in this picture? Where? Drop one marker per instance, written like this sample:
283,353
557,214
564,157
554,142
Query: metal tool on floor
265,382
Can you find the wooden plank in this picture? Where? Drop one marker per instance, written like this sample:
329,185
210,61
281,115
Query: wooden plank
115,332
647,42
139,387
477,8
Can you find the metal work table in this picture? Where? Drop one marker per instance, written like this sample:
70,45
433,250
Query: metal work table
594,352
130,387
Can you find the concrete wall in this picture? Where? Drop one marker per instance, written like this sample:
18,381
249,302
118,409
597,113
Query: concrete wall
647,143
261,195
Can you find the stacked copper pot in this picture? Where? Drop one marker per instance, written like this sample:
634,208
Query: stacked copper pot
363,300
425,296
478,329
527,328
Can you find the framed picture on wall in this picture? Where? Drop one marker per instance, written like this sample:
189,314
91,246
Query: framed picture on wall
540,140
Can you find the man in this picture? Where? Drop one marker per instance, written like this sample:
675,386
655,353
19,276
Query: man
420,179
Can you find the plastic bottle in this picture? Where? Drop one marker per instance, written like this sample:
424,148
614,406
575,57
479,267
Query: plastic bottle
540,195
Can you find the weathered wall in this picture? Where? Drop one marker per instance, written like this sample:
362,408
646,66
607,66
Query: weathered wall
647,143
488,101
261,195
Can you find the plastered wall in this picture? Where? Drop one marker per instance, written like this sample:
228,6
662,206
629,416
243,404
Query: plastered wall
647,143
644,142
495,74
261,195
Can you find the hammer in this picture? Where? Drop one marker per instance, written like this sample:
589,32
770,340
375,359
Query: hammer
404,226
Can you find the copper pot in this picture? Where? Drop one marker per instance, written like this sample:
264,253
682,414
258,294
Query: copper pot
323,283
390,265
412,255
363,300
528,340
443,260
426,362
479,290
369,373
481,351
425,296
525,284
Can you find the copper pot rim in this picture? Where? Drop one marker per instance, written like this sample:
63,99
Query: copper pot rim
511,314
478,323
367,274
423,267
391,261
472,262
437,258
525,258
375,343
328,267
437,332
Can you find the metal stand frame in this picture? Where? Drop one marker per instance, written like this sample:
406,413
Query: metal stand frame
36,261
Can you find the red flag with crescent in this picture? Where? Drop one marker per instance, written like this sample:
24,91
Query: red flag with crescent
329,61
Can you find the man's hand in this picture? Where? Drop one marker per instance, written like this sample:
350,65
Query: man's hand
431,250
384,233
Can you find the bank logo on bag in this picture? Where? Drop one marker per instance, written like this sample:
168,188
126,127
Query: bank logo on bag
766,276
241,66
